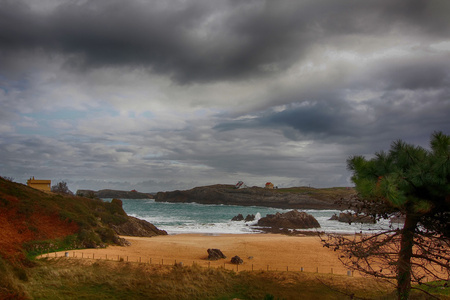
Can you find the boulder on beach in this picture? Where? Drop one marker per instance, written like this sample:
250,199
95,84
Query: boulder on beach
292,220
237,260
215,254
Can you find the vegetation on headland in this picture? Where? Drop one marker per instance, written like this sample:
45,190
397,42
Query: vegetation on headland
113,194
295,197
34,222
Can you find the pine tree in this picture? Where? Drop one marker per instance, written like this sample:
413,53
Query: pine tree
414,183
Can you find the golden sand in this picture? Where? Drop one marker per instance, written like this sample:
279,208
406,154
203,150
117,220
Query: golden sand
258,251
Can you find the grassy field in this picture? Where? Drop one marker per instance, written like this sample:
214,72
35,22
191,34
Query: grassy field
71,278
64,278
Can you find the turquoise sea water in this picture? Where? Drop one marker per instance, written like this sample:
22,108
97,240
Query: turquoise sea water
178,218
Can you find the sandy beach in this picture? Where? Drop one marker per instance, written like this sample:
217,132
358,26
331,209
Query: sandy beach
258,251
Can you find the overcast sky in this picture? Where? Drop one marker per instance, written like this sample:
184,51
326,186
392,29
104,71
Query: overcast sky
165,95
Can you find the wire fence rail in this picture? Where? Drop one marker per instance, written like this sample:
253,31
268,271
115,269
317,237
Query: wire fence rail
226,264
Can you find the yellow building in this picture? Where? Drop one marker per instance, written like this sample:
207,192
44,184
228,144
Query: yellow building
269,185
43,185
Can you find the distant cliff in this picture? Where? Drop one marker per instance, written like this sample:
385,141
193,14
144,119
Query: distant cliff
297,197
114,194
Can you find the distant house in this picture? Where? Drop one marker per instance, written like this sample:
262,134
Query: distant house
43,185
269,185
241,185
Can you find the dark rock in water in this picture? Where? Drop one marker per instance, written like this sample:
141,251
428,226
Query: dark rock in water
353,218
292,219
237,260
215,254
137,227
249,218
239,217
334,218
397,219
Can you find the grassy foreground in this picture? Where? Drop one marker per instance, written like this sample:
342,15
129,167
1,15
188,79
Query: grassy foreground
62,278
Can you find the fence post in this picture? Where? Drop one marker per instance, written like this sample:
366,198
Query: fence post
301,269
267,267
349,273
287,268
331,270
317,269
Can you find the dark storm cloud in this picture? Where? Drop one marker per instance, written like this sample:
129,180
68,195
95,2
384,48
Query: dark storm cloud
205,40
391,117
174,94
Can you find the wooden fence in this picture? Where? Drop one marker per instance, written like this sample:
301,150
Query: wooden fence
203,263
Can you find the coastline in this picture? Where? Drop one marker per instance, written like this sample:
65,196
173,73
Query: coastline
260,251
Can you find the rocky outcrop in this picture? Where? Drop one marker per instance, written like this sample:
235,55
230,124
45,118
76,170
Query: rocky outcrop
113,194
353,218
249,218
290,220
300,198
215,254
239,217
137,227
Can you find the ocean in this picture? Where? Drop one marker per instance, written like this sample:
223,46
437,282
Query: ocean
177,218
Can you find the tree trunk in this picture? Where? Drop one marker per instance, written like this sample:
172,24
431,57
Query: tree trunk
404,258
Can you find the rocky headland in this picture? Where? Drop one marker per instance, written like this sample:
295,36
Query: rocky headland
290,198
34,221
113,194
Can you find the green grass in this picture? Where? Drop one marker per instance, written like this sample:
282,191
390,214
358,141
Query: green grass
64,278
441,288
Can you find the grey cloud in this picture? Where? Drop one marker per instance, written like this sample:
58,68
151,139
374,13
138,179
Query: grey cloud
393,116
433,73
204,40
